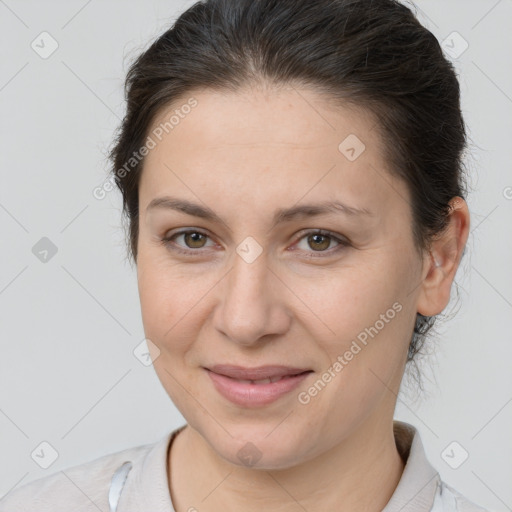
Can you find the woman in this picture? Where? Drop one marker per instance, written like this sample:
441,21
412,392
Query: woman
291,173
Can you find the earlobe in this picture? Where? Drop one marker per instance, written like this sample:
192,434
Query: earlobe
443,260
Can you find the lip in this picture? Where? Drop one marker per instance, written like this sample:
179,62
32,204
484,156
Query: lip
246,394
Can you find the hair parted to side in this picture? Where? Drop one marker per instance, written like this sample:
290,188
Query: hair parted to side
373,55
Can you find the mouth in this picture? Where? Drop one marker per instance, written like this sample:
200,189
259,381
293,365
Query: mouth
258,375
270,380
251,388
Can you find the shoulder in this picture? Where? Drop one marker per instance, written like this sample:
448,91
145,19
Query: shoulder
82,487
449,499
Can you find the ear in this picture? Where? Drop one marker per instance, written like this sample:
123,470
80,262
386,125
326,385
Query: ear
441,263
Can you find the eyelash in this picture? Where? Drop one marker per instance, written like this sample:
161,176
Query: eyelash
168,242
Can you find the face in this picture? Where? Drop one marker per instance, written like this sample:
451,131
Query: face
333,292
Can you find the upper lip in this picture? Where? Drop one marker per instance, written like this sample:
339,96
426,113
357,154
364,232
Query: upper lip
257,373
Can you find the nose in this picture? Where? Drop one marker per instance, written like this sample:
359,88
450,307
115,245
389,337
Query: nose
252,305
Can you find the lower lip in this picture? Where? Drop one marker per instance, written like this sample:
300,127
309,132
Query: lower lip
254,395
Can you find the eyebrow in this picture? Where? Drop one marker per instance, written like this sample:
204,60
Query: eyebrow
281,215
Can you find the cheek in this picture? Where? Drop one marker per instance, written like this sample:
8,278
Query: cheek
350,301
364,360
362,325
167,298
170,298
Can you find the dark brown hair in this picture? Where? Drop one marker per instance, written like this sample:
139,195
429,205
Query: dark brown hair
371,54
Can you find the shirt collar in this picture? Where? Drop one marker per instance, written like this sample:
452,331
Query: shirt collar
149,488
415,492
418,484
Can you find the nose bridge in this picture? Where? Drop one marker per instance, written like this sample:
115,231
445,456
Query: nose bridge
249,307
246,284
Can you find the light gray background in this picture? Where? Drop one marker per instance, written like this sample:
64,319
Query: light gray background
69,326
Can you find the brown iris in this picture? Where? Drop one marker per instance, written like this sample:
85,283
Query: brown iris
314,239
197,239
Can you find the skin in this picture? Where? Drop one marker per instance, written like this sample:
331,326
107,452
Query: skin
245,155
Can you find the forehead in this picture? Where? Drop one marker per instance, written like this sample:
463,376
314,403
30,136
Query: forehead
286,115
282,144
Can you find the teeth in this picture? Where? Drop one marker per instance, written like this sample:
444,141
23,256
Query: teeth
261,381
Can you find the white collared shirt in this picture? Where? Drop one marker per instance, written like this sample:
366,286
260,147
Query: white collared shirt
136,480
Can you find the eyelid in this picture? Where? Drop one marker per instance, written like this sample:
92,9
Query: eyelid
167,240
318,231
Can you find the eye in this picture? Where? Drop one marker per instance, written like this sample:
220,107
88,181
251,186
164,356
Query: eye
315,241
320,241
193,239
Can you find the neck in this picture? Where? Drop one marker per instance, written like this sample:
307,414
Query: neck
359,474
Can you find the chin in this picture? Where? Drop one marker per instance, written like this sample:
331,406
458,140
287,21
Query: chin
253,448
